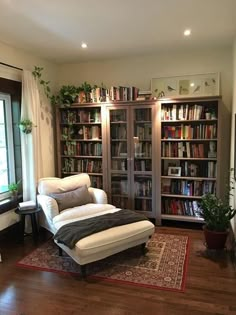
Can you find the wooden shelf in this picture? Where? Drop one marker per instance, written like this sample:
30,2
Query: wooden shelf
188,121
82,140
181,196
82,156
190,178
188,140
73,173
185,218
185,158
80,123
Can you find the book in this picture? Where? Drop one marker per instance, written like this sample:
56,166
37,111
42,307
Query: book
27,205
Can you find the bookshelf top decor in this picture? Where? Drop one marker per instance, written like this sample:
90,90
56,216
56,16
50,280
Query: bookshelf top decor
197,85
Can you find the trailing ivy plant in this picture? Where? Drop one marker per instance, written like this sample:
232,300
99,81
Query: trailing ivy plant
37,73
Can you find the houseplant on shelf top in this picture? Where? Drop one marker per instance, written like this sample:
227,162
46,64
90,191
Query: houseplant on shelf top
217,214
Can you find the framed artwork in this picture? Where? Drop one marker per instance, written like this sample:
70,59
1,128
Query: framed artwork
174,171
186,86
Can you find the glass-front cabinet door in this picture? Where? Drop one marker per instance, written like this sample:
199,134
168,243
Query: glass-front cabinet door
119,157
131,175
141,161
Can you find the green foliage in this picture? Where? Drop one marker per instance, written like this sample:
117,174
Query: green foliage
217,212
13,187
37,73
67,94
26,125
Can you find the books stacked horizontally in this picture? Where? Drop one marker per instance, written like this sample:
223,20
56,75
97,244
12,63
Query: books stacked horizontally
27,205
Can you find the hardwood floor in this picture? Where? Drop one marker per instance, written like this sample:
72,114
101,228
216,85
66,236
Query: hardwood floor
210,287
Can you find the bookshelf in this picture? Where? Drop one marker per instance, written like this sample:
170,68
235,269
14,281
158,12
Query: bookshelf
131,164
80,142
191,155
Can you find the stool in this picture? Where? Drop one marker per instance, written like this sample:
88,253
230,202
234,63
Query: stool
23,213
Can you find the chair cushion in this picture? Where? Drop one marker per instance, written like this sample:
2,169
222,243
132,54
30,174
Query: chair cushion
74,198
82,212
50,185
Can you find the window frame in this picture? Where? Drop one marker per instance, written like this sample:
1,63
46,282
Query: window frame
7,109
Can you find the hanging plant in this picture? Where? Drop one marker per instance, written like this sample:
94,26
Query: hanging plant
37,73
26,126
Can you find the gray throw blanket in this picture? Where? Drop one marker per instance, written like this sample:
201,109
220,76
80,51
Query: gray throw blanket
69,234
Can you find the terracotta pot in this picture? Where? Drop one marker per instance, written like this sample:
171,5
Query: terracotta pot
215,240
82,97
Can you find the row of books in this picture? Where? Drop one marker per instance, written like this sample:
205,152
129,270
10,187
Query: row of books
142,165
144,132
119,93
96,181
143,188
120,202
118,115
187,187
184,112
119,186
78,149
184,149
203,131
143,149
82,165
82,132
181,207
70,116
139,165
118,132
198,170
143,204
143,114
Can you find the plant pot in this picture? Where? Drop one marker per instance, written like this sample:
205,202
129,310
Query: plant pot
14,195
215,240
82,97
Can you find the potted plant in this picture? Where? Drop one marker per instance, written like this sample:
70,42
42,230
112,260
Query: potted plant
68,94
26,125
217,214
13,188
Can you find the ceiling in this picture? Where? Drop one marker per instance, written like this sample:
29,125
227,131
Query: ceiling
55,29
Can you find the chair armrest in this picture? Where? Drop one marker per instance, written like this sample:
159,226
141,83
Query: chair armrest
98,195
48,205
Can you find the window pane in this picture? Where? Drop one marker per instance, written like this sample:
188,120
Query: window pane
4,180
1,112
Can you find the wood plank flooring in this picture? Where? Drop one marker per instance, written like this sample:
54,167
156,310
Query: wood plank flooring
210,287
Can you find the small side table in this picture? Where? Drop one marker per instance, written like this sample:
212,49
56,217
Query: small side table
32,212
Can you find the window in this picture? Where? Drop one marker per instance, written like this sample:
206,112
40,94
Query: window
7,168
10,148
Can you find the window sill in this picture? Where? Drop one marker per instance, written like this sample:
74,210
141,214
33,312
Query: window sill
9,204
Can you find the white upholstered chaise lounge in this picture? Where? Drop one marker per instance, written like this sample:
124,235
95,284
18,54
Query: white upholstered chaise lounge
96,246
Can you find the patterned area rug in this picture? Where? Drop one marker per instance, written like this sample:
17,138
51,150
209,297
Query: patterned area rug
163,266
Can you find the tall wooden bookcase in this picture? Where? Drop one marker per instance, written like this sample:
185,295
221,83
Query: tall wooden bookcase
81,142
157,158
194,155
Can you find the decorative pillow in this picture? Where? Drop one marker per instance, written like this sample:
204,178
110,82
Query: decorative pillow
74,198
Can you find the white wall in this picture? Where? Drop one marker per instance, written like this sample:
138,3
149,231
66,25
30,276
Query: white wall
21,59
138,71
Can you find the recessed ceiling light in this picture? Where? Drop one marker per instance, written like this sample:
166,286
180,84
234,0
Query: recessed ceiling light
192,84
84,45
187,32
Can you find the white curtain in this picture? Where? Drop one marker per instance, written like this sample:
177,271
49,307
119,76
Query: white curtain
31,148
